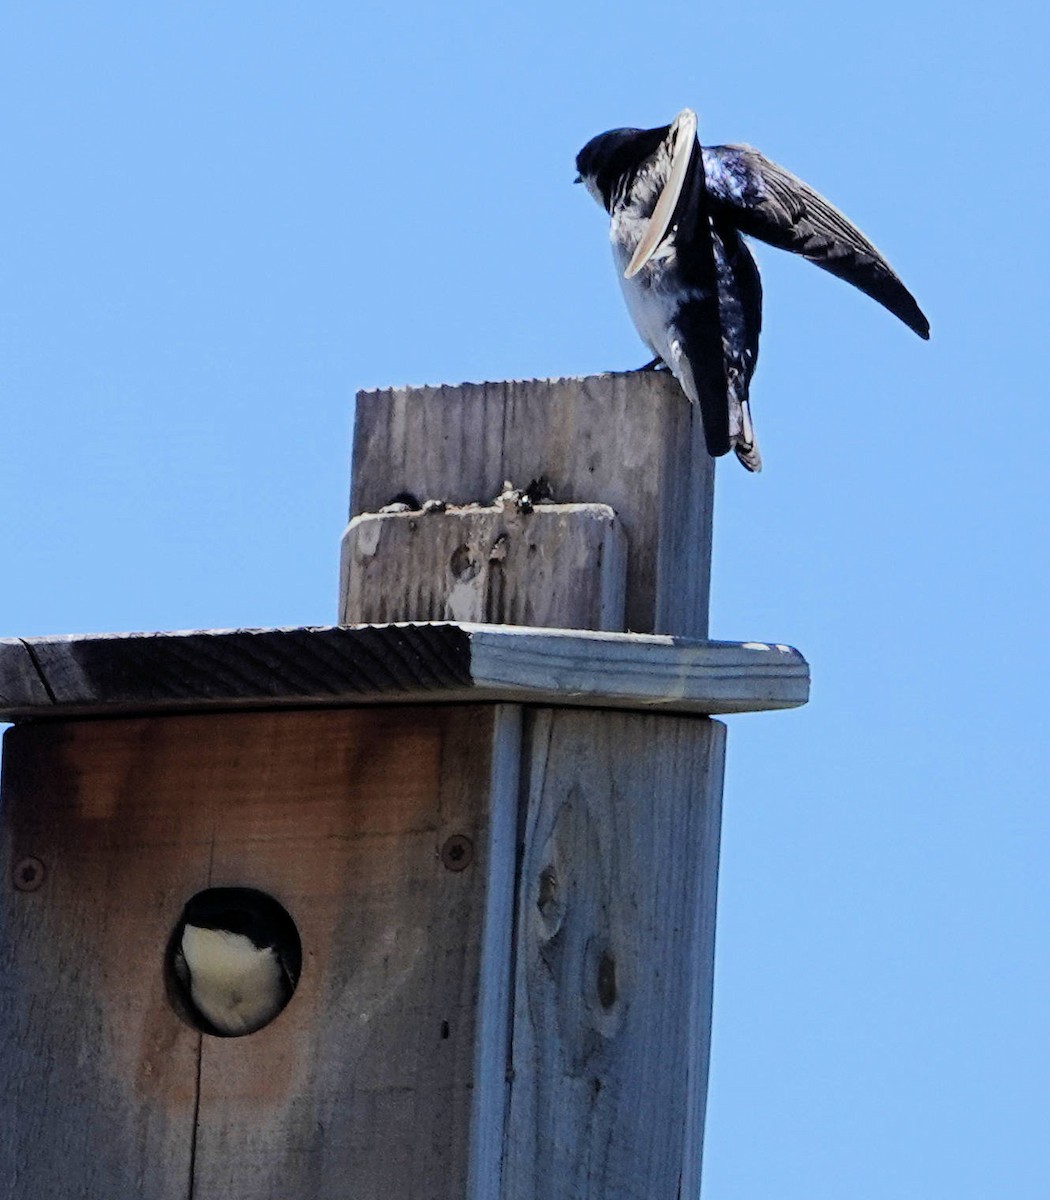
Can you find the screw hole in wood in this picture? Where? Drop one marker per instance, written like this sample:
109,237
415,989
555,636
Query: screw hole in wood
28,874
457,853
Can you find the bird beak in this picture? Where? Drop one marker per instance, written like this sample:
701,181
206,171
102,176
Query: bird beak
578,179
682,136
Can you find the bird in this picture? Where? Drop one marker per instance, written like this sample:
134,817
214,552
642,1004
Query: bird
679,217
236,954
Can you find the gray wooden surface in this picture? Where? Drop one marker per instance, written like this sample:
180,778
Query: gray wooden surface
631,441
21,684
98,1078
148,673
558,565
533,1025
614,957
371,1083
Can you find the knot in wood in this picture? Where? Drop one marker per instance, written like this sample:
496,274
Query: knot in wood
606,981
550,903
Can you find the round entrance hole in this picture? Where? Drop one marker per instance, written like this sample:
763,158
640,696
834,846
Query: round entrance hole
232,961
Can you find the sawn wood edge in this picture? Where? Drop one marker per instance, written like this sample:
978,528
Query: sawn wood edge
433,662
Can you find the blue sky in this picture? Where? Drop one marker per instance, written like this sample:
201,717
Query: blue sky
218,222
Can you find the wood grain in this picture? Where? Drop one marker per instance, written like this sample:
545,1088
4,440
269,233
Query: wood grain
396,664
615,947
631,441
97,1090
558,565
493,1019
20,681
636,671
365,1084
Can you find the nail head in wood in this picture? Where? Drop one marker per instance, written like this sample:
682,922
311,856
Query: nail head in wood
28,874
457,853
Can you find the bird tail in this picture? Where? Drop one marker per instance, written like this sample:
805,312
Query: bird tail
726,425
741,430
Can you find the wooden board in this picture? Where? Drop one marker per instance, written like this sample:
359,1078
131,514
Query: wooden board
394,664
631,441
558,565
98,1081
482,1033
365,1085
613,968
21,682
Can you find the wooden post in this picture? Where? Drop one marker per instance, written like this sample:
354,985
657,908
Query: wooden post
499,843
629,442
612,971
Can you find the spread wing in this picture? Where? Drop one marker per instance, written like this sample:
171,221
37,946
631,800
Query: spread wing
767,202
697,353
681,138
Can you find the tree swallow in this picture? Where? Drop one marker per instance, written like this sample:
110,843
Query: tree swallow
237,955
692,288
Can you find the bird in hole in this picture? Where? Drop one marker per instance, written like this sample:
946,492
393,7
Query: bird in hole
679,215
236,953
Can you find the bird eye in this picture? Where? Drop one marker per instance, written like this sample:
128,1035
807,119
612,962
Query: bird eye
232,961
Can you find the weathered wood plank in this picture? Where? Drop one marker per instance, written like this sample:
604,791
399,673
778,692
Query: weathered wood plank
637,671
20,681
144,673
631,441
493,1013
554,565
98,1081
615,947
368,1083
366,1088
152,671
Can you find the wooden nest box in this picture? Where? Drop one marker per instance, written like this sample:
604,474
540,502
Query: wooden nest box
490,810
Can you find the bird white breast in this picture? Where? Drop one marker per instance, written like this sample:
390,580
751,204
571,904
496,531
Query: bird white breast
237,986
654,295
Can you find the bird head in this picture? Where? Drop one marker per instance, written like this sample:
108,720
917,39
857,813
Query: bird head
243,911
613,156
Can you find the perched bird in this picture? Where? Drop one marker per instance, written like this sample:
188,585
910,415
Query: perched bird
679,213
236,953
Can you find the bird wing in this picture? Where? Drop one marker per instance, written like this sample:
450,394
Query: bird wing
682,135
767,202
289,972
695,329
697,360
181,968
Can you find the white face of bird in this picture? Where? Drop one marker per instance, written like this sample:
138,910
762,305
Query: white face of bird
591,184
